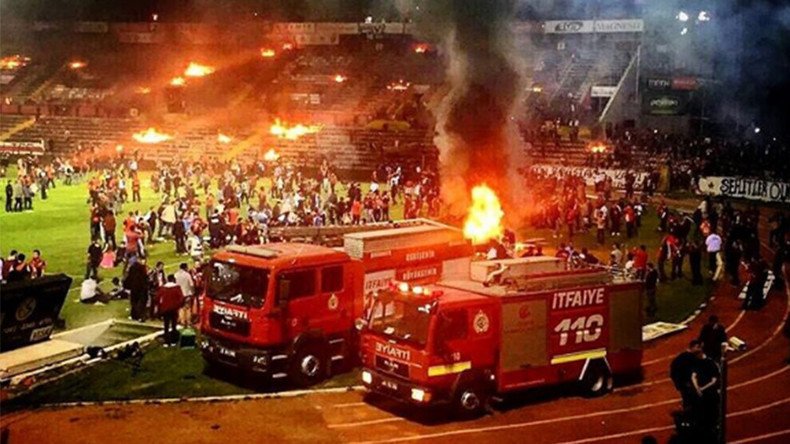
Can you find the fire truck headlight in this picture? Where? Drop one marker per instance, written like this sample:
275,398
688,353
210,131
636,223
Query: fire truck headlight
367,378
420,395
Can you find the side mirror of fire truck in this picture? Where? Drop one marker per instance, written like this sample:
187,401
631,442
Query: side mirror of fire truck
283,289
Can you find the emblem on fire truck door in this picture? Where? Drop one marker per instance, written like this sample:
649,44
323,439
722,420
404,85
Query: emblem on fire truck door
332,302
481,322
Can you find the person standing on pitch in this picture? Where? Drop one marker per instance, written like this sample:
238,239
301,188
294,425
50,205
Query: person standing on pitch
169,299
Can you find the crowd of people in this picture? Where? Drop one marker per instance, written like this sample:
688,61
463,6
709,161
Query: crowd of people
18,267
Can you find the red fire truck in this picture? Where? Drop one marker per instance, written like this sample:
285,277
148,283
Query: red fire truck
463,341
288,309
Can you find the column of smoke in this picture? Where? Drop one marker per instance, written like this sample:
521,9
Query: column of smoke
476,130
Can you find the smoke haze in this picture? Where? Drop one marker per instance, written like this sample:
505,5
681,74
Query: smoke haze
476,133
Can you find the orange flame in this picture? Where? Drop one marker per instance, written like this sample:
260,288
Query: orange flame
484,221
77,65
178,81
271,155
221,138
421,48
151,136
598,148
198,70
283,131
339,78
268,53
400,85
13,62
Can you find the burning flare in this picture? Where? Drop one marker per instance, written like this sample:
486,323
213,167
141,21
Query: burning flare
400,85
198,70
178,81
271,155
77,65
222,138
268,53
421,48
151,136
484,221
13,62
283,131
339,78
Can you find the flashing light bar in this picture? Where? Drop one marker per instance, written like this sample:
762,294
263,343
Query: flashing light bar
416,290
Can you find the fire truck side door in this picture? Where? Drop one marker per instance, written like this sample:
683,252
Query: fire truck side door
452,331
297,294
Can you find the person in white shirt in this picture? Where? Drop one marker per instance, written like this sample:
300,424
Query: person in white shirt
91,293
195,246
713,247
715,260
187,284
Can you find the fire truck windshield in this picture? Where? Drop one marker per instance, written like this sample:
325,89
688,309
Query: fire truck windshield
403,319
237,284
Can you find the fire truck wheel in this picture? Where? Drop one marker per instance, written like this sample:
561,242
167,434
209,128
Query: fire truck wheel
471,401
597,381
308,365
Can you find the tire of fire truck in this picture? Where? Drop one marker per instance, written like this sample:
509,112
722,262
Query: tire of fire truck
471,396
597,379
308,364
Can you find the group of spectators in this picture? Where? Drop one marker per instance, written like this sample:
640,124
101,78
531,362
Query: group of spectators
17,267
32,177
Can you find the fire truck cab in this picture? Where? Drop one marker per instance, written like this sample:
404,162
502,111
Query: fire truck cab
463,341
289,309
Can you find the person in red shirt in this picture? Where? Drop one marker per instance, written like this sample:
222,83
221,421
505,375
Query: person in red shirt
666,251
232,220
356,212
640,261
169,299
108,223
37,265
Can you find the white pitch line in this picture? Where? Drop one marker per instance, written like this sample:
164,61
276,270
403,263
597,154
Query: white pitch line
365,423
667,358
349,404
247,397
659,429
775,332
737,320
758,408
521,424
576,417
619,435
761,378
762,437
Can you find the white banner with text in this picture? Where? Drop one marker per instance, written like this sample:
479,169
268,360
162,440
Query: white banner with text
591,174
754,189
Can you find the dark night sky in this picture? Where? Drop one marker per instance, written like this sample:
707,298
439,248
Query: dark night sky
759,79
